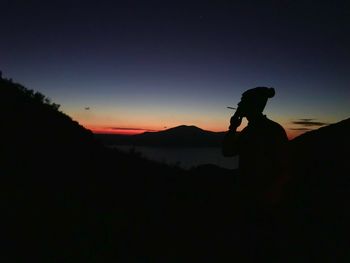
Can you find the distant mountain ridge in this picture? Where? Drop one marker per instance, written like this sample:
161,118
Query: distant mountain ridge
180,136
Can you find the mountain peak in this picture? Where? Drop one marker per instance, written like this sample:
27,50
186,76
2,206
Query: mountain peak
185,128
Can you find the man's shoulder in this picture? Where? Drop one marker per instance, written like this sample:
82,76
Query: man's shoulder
275,127
274,124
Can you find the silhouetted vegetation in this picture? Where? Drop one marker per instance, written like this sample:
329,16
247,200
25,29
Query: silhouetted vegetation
66,198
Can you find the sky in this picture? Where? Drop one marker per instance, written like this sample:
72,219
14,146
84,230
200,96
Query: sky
135,66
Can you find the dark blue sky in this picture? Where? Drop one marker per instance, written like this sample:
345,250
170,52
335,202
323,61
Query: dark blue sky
148,64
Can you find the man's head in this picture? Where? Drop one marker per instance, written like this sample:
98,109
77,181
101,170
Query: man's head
253,101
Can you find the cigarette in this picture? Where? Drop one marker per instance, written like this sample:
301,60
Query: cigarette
232,108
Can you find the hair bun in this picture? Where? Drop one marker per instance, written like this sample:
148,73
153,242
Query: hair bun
270,92
259,93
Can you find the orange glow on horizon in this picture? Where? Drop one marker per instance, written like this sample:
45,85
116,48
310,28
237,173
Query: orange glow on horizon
122,131
291,134
294,133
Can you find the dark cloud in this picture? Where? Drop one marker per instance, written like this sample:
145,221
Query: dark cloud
309,123
306,124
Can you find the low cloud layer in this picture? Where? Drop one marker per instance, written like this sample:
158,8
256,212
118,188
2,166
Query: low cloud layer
307,124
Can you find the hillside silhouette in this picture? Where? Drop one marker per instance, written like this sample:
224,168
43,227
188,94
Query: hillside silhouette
34,133
67,198
180,136
319,190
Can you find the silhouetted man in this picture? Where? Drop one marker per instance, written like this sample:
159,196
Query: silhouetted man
260,146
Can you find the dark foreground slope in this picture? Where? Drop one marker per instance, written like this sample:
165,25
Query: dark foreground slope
68,199
320,190
321,167
65,198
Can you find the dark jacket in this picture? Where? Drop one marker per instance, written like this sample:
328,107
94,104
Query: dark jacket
261,147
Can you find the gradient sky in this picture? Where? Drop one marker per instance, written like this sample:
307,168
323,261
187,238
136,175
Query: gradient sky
151,65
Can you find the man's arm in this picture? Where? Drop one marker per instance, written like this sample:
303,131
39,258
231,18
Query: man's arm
230,145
